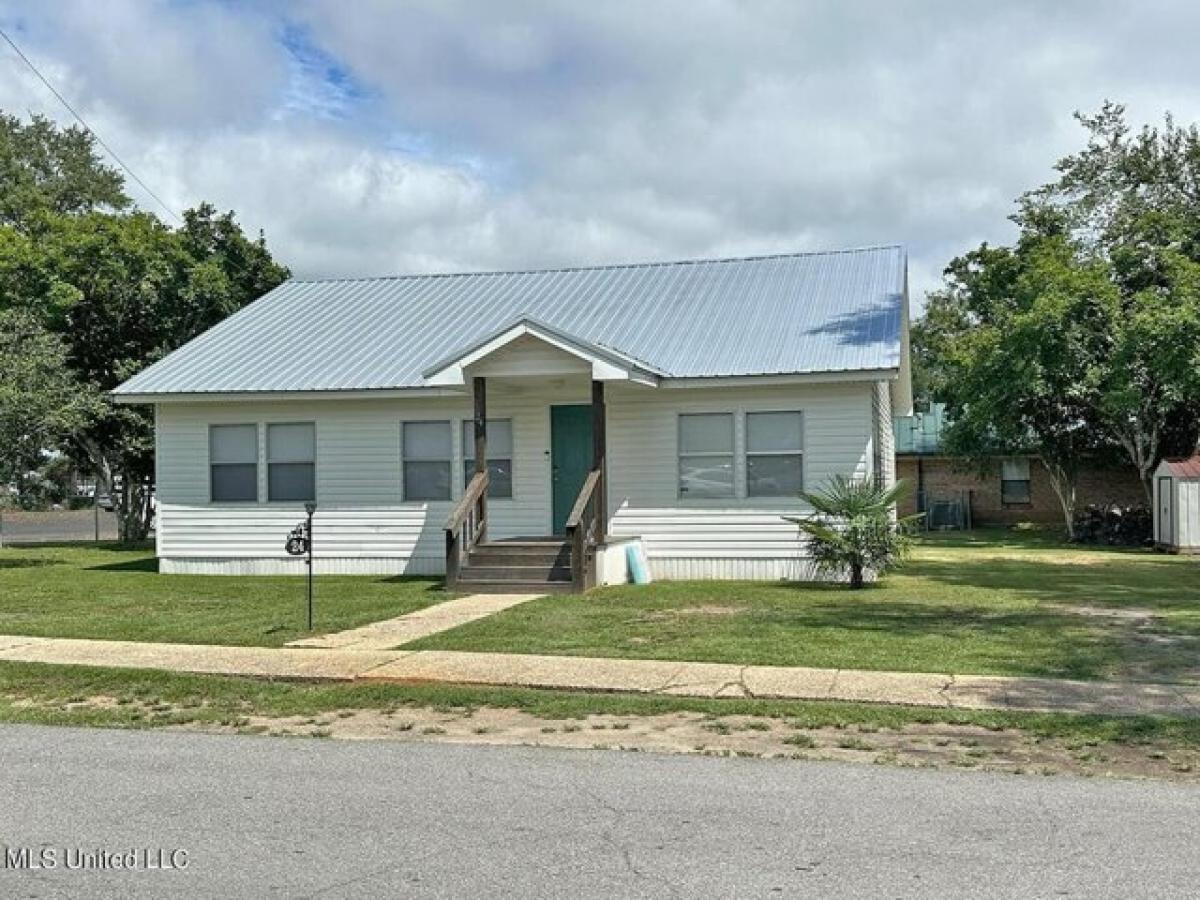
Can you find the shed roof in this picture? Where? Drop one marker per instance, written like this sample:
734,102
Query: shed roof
1183,468
792,313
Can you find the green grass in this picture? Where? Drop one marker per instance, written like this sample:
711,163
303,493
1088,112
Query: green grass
109,592
52,695
1004,603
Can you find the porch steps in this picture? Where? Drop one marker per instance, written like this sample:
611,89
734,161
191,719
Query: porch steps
522,565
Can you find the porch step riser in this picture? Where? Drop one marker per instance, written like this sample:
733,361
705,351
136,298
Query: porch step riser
497,558
469,586
517,573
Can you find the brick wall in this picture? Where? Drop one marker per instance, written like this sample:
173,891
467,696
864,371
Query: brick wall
946,478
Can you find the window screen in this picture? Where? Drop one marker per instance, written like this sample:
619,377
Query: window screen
233,463
426,459
774,454
499,452
706,455
291,462
1014,481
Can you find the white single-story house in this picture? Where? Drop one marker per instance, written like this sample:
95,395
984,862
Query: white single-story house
680,405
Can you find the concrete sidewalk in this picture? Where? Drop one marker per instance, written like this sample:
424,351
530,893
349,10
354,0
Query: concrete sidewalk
679,679
391,633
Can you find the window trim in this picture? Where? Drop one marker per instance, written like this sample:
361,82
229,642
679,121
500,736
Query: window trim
732,453
266,451
257,461
747,452
404,461
470,457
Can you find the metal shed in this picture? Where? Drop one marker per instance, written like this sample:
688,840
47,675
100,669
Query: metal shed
1177,505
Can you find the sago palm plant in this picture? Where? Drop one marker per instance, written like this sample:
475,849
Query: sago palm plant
851,530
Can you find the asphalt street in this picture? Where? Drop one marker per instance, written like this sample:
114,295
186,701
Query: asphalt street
292,817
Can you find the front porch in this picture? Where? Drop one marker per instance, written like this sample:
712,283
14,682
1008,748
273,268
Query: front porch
564,559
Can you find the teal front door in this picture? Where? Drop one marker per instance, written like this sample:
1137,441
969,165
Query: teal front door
570,459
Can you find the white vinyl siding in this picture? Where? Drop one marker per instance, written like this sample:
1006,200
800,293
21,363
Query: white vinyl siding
365,525
730,537
884,437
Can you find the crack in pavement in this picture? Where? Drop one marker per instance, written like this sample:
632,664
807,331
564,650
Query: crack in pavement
944,690
626,854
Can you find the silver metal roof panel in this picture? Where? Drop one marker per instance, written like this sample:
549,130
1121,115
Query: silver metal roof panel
784,314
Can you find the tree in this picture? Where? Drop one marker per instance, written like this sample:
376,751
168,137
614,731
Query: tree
852,531
1131,202
1083,338
1019,368
47,171
142,290
119,287
41,403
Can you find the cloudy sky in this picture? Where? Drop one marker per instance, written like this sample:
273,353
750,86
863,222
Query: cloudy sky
369,137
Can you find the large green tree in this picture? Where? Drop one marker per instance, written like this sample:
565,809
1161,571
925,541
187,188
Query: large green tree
1130,200
119,288
41,403
1083,338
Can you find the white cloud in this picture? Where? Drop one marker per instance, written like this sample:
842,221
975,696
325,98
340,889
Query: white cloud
456,135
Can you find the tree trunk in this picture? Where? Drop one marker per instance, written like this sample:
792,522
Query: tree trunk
133,509
856,576
1063,482
1141,444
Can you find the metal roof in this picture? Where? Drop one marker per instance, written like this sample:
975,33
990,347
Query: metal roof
1184,468
783,314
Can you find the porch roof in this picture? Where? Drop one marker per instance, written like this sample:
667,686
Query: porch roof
606,364
800,313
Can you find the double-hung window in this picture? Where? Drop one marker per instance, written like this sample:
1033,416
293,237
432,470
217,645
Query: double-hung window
426,452
706,455
1014,480
499,456
774,454
292,462
233,463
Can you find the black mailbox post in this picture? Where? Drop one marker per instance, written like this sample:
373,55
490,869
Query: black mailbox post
300,543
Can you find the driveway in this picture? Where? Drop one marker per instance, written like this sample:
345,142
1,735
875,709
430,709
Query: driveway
298,818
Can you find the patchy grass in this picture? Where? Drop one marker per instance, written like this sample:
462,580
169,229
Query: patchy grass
1001,603
110,592
46,694
1001,741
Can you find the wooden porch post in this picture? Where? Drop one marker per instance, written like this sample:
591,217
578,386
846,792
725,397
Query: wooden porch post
599,454
479,387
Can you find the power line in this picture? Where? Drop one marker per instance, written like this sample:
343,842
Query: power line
88,128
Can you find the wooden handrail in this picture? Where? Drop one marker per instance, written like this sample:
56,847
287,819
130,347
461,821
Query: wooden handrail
581,502
470,511
582,530
474,490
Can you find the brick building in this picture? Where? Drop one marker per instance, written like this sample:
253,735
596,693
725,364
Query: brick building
1006,491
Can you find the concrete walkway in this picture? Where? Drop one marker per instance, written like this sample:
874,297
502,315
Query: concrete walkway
679,679
392,633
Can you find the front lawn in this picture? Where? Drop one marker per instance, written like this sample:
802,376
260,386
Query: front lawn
113,593
1002,602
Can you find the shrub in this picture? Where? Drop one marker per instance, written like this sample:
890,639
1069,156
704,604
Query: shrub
851,531
1115,525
